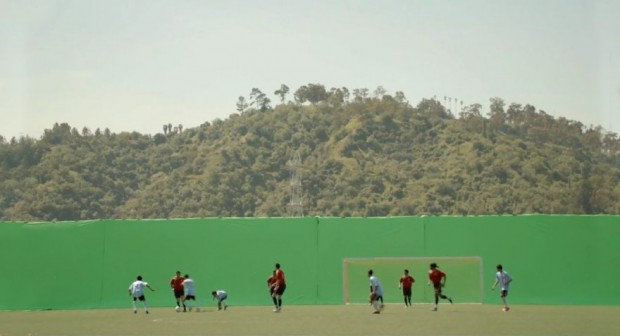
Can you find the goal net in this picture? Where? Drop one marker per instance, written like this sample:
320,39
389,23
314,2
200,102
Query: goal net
464,278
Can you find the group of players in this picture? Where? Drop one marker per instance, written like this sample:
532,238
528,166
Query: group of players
438,279
184,290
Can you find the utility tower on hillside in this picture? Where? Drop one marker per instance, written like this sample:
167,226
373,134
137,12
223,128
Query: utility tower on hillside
296,207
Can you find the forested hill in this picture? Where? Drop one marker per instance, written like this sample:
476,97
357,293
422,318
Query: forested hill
362,155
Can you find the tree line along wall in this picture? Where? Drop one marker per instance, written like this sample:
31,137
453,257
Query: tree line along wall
90,264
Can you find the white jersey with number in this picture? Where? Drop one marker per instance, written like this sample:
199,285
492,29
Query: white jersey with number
375,283
503,279
137,288
188,285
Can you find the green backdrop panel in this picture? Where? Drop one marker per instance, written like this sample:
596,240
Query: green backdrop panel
237,255
341,238
551,258
465,279
51,266
71,265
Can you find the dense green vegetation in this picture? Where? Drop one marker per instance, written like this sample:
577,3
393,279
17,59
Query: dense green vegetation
363,155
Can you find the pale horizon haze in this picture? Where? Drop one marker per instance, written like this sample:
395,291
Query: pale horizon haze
137,65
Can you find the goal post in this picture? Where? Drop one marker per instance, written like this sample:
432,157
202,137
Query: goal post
464,278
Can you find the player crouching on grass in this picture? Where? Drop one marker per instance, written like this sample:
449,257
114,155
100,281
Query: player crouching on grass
221,296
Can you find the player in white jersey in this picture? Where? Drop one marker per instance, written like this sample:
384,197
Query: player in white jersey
190,292
376,292
221,296
136,291
503,279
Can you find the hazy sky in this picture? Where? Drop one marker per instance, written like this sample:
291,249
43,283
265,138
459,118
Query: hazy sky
137,65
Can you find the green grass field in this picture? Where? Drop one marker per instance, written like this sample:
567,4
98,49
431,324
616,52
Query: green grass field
458,319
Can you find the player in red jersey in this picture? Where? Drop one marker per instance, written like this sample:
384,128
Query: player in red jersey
406,282
271,283
176,283
279,287
438,278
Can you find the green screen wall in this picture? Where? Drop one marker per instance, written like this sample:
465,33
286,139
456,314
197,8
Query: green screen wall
78,265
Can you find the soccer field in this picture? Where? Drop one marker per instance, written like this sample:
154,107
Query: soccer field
458,319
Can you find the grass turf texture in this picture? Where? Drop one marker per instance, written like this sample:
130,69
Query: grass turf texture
456,319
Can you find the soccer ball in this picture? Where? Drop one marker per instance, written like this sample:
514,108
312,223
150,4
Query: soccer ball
177,309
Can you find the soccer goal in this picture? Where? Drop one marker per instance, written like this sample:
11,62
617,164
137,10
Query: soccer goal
464,278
